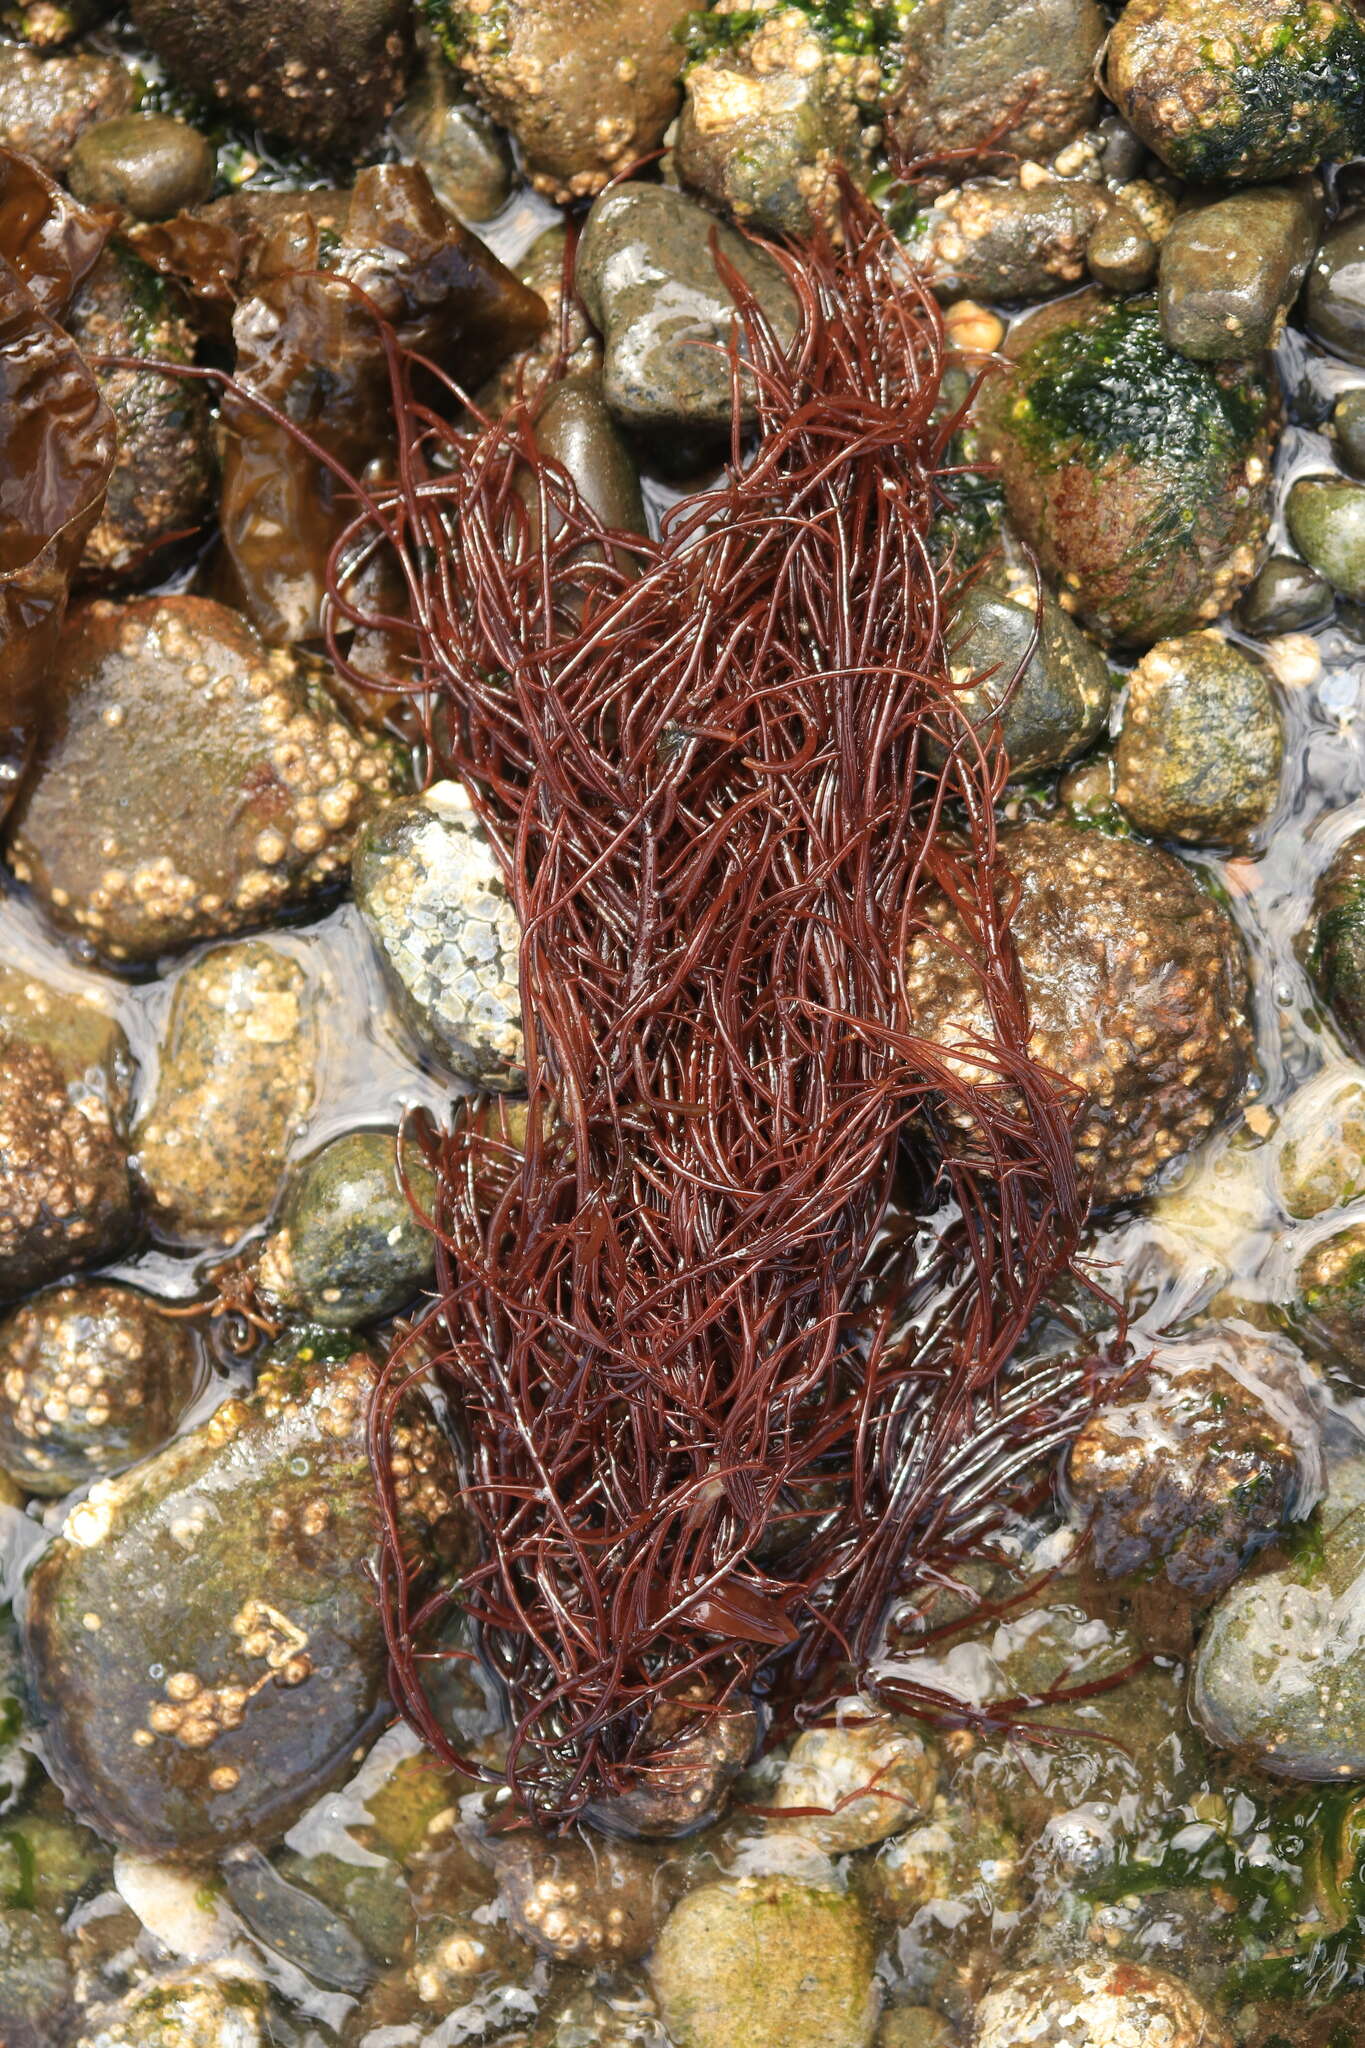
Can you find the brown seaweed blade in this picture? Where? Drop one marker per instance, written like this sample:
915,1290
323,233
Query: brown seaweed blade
693,1441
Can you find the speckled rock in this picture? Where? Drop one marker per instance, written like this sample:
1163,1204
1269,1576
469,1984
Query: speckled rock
160,492
66,1199
1240,90
347,1247
585,86
1230,271
1137,988
1062,698
1335,941
194,2009
149,165
1280,1674
1327,1304
1285,597
956,1853
580,1900
590,2017
465,155
80,1032
1320,1143
647,276
46,24
1202,743
1194,1468
91,1378
1014,244
437,906
1103,2002
324,74
777,97
961,65
1334,304
35,1978
194,782
1140,478
47,102
872,1777
202,1635
697,1762
914,2026
1326,520
235,1083
766,1962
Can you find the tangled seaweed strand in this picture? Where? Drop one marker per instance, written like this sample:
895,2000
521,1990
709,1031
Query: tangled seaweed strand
710,1431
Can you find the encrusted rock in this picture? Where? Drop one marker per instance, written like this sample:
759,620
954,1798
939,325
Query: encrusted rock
577,1900
852,1785
964,66
47,102
65,1194
347,1247
1105,2002
1202,743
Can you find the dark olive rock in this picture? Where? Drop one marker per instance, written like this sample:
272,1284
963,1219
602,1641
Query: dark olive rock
1326,520
575,428
772,109
202,1634
235,1082
1226,90
1328,1302
1335,300
1286,596
1121,254
293,1923
1140,478
1159,1057
648,278
437,905
91,1377
1335,948
148,165
585,86
1202,743
347,1247
324,74
47,102
66,1198
580,1900
193,783
159,495
1062,698
1198,1464
684,1776
465,154
1011,243
964,65
1231,271
1348,431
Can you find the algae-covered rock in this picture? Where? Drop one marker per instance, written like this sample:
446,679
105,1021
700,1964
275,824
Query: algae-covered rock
191,782
1335,941
1242,90
1139,477
348,1247
766,1962
236,1081
1326,520
202,1634
225,2008
1327,1306
1320,1144
92,1377
1202,743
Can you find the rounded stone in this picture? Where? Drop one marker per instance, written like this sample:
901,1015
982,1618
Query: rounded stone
46,103
466,156
1335,941
191,782
1104,2002
149,165
193,2009
1140,479
1196,1466
1137,989
434,897
1348,431
766,1962
1326,520
866,1779
1240,91
347,1247
1286,597
1202,742
1013,244
962,65
1334,304
580,1901
1327,1306
1320,1144
66,1199
1231,270
236,1080
1059,703
92,1377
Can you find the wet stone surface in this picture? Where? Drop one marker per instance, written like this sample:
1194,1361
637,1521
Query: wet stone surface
1202,743
348,1246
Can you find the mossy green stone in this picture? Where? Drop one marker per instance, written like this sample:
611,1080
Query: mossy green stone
202,1635
1335,948
348,1247
1326,520
766,1962
1202,744
1141,479
1241,90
